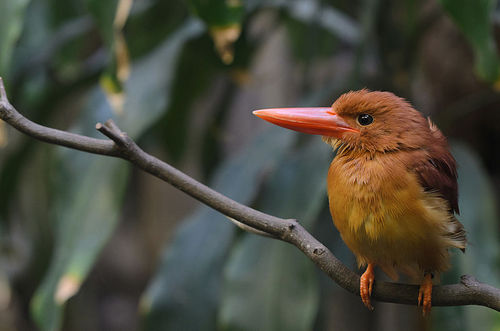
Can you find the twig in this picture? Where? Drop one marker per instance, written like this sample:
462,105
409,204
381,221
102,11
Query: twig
468,292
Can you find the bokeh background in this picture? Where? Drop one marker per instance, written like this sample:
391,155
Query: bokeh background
89,243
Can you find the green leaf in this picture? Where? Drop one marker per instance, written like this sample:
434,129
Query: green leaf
144,103
92,188
223,18
150,22
110,17
189,85
86,210
103,13
36,38
11,23
185,291
479,215
474,19
218,12
270,285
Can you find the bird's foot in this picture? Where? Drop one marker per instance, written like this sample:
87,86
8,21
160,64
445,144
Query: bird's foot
366,285
425,294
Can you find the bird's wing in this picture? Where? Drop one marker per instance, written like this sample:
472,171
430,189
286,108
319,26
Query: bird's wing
437,172
437,175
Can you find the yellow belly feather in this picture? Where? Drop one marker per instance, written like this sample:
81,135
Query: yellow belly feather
386,218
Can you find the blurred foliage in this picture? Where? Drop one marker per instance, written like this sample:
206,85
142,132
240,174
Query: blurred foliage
11,20
181,77
257,294
223,19
177,293
479,215
475,19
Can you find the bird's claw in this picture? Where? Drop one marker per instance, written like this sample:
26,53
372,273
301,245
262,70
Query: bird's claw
366,286
425,295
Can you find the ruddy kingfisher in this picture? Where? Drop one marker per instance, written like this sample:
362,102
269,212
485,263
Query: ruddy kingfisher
392,186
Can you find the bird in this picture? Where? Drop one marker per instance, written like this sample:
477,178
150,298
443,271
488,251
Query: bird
392,185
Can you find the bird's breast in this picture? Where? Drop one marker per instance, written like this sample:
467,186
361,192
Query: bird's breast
382,212
365,194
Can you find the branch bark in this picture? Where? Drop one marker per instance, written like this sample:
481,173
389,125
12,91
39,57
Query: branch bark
468,292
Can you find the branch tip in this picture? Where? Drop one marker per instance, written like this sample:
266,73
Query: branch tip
113,132
113,127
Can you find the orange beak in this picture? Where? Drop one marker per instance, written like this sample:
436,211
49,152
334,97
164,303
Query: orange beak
317,120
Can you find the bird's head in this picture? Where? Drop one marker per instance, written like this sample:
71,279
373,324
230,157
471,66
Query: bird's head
358,120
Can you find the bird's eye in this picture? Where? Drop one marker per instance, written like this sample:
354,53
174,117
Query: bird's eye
365,119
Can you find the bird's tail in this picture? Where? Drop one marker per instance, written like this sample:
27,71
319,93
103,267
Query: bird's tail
457,234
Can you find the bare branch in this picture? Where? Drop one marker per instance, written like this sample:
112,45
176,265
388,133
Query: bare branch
52,136
468,292
112,131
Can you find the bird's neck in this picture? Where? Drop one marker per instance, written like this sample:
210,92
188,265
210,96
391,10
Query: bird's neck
344,150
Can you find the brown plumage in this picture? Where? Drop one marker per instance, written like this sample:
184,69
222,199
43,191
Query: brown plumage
392,186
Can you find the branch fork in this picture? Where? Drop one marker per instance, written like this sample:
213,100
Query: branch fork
468,292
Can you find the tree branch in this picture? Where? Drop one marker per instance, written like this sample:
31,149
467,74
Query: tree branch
468,292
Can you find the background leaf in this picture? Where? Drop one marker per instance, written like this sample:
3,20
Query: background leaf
219,12
11,21
269,285
479,212
474,18
81,234
223,19
185,291
104,14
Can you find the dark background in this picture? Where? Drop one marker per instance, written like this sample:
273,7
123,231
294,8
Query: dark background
90,243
